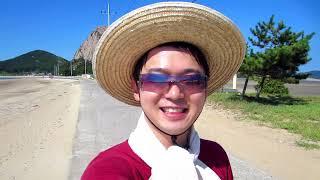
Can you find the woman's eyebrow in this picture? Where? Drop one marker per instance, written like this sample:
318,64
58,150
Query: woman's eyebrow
167,71
158,70
186,71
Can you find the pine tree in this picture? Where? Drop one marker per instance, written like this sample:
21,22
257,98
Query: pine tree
281,51
250,66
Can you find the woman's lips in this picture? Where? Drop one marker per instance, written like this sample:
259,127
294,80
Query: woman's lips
174,113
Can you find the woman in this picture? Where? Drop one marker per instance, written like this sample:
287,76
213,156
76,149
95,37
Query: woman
167,58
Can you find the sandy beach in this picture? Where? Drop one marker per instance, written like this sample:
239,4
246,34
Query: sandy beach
37,123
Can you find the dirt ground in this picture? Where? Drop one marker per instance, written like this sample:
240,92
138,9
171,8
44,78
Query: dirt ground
272,150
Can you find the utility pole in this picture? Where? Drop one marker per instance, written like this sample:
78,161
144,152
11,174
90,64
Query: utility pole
107,12
58,70
71,68
85,66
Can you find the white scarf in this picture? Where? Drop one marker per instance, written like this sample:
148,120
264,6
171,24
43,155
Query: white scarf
174,163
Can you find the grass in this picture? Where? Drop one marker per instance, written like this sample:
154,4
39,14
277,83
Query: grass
307,145
297,115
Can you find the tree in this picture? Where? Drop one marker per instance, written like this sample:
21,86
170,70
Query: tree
281,51
64,68
78,66
250,66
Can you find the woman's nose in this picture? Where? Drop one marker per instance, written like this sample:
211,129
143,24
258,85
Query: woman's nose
175,92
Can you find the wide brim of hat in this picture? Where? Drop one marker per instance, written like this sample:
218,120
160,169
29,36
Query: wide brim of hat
128,38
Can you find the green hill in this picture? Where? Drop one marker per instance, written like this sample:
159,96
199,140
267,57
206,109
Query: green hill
37,61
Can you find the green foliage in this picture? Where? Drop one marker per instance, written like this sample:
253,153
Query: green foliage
250,66
274,87
78,66
284,61
251,63
295,79
37,61
64,68
280,50
3,73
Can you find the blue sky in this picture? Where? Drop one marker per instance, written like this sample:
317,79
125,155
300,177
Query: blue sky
60,26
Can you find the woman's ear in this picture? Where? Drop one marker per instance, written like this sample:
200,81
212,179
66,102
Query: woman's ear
135,88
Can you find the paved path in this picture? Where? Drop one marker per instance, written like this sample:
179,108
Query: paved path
104,121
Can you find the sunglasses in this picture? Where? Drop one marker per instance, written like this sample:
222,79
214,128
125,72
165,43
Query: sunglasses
160,83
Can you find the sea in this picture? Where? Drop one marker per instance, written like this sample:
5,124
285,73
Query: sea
9,77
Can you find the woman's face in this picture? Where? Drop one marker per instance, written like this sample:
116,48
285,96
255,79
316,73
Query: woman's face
175,109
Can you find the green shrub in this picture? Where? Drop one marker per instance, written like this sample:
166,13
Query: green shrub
274,87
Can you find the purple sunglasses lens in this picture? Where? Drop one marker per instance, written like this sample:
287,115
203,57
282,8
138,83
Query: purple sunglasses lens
154,86
160,83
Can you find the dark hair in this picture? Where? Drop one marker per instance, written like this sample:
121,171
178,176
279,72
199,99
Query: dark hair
194,51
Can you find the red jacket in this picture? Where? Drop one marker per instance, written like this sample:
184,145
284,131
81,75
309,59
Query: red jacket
121,163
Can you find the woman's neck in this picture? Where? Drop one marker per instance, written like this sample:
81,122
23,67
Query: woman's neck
167,141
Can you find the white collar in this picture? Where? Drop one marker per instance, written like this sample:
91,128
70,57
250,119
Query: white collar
173,163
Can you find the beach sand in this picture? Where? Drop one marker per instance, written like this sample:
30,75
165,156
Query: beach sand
38,119
272,150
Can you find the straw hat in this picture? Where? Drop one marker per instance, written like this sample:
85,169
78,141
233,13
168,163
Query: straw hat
128,38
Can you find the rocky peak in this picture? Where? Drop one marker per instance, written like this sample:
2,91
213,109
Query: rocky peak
87,48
